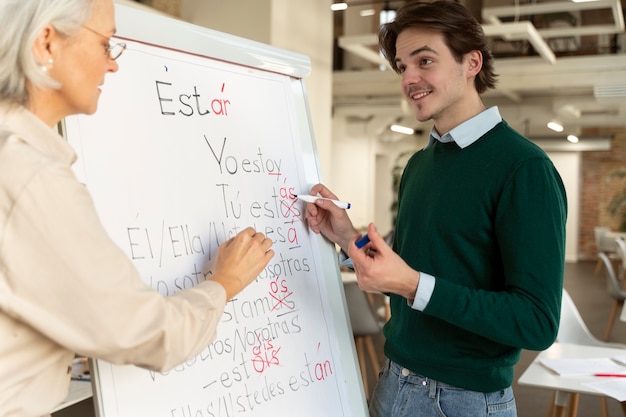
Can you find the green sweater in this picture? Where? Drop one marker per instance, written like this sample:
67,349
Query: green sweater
488,222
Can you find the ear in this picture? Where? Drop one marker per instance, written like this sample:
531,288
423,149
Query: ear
42,47
474,63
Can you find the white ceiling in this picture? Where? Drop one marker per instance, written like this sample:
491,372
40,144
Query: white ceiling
581,90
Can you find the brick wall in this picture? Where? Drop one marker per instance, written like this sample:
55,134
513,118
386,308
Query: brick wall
597,189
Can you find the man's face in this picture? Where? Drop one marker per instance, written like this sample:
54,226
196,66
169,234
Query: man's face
435,84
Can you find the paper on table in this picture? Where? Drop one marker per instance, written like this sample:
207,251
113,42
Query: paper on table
611,387
586,366
621,359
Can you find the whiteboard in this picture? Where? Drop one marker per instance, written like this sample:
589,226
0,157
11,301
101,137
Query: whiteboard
199,135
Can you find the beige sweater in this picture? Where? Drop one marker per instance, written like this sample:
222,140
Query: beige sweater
66,288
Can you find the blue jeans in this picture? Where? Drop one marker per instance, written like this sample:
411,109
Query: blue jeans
401,393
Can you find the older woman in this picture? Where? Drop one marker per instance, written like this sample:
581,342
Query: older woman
65,287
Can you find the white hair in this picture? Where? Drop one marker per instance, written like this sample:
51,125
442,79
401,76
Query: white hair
21,22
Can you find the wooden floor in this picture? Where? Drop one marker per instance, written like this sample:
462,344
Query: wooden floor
588,290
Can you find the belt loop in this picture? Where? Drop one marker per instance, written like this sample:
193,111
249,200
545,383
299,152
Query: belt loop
432,388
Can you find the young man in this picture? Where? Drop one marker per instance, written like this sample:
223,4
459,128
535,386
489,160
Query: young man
476,270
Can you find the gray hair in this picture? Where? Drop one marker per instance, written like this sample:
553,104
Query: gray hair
21,22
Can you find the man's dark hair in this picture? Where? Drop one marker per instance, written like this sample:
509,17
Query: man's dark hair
461,31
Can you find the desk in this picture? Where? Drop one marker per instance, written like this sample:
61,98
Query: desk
539,376
79,391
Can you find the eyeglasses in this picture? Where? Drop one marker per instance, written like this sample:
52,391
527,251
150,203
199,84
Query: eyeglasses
113,49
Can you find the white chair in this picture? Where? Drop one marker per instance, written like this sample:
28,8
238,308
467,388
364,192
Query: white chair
614,286
620,252
600,232
604,243
572,329
365,324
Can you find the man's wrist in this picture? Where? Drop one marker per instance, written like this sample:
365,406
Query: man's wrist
412,293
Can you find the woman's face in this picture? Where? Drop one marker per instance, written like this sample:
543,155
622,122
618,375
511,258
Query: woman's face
81,61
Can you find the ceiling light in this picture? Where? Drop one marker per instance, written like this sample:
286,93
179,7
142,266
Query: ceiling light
338,6
402,129
367,12
555,125
572,138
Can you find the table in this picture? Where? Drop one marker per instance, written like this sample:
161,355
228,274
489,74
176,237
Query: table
537,375
79,391
347,277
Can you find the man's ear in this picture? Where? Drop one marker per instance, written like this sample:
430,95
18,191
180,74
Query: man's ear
474,62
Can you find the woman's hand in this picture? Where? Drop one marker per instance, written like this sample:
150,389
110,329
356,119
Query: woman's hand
240,260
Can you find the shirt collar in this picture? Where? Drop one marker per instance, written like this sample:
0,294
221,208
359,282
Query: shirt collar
469,131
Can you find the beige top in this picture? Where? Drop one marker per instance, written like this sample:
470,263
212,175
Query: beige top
65,287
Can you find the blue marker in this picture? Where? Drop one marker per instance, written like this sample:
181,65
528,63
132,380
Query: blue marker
364,240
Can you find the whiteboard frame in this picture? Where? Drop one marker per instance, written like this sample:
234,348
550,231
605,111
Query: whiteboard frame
159,30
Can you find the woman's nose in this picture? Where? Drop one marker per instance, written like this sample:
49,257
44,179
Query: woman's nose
113,65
